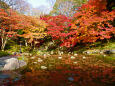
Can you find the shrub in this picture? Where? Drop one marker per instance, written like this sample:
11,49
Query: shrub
3,53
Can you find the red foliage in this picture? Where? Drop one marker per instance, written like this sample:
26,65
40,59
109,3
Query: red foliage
93,22
59,29
90,23
10,22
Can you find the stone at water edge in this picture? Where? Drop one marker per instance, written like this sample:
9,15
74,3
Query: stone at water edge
43,67
32,57
12,64
62,53
40,60
75,54
104,55
60,57
70,78
52,52
35,62
84,57
75,62
101,52
72,57
109,51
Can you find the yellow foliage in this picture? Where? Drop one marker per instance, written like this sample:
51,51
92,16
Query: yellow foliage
34,28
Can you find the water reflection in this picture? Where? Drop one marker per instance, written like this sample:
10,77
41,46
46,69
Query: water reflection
87,75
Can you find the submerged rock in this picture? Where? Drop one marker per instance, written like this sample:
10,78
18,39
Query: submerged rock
70,78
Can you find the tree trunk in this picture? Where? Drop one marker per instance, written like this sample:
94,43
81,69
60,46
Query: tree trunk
3,43
26,44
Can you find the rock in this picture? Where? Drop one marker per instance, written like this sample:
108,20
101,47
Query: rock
113,51
109,51
11,63
84,57
70,78
60,57
40,60
89,52
43,67
75,62
22,63
27,54
52,52
33,57
75,54
72,57
35,62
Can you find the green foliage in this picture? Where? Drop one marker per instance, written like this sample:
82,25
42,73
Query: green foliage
16,48
3,53
113,7
107,59
110,45
22,58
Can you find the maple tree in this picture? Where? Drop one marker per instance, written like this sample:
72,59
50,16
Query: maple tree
34,29
93,22
90,23
59,29
10,22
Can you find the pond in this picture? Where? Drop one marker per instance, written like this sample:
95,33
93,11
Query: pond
83,70
7,77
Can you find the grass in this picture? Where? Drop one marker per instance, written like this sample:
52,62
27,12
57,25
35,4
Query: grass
110,44
4,53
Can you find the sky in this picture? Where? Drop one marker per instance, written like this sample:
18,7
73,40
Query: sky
42,4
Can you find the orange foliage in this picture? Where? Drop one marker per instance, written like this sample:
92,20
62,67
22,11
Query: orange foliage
34,28
91,24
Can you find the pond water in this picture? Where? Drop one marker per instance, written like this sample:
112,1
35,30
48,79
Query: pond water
8,76
64,77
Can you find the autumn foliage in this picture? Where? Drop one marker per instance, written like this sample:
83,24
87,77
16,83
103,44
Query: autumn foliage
59,29
33,29
10,23
90,23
